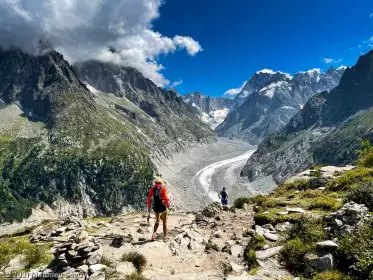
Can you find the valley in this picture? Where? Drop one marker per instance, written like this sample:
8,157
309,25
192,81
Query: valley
199,174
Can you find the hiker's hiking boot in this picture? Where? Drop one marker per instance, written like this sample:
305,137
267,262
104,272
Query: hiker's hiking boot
154,236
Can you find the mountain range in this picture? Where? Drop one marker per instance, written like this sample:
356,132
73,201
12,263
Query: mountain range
328,129
84,140
210,110
269,99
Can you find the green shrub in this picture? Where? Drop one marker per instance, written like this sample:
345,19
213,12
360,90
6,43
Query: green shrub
107,262
365,154
256,243
362,193
325,202
37,255
271,217
350,178
309,230
331,275
293,254
34,254
300,185
240,202
138,260
250,259
355,252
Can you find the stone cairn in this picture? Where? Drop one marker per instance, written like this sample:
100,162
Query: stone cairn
80,251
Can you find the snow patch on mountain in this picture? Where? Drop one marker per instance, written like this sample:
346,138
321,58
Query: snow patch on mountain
271,89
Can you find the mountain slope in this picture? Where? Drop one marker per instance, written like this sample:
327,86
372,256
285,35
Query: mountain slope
211,110
63,145
160,114
269,100
328,130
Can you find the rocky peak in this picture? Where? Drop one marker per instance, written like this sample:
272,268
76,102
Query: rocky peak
38,83
211,110
354,92
270,99
258,81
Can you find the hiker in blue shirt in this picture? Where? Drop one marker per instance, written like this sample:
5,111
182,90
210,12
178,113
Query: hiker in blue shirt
223,197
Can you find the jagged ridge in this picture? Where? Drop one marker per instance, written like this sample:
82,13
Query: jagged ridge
328,130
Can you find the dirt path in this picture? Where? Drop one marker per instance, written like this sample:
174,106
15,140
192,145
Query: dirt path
184,254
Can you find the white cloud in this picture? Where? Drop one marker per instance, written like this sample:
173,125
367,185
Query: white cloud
235,91
84,29
328,60
192,46
175,84
371,41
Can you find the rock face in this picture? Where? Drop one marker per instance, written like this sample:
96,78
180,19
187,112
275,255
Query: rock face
80,151
270,99
159,113
210,110
328,130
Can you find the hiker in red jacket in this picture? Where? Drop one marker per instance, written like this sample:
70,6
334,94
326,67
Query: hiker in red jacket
160,205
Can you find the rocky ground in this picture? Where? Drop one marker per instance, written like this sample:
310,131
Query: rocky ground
301,224
208,245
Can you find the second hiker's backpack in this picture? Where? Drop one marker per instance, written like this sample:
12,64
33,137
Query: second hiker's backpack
157,196
223,195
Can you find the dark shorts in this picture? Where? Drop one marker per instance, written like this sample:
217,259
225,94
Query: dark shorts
224,201
159,208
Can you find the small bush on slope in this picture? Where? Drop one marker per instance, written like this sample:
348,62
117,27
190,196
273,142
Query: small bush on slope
365,154
325,202
239,202
350,178
255,244
34,254
302,239
355,253
138,260
363,194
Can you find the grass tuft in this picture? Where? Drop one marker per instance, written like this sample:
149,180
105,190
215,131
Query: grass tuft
136,276
138,260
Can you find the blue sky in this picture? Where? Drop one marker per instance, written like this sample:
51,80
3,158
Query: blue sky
239,37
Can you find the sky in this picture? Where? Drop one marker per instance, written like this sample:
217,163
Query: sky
210,46
240,37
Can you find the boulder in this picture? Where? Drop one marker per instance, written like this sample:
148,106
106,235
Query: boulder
117,241
83,268
269,227
327,245
259,230
212,210
237,268
97,276
96,268
320,262
266,254
95,258
346,219
80,238
271,236
236,250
